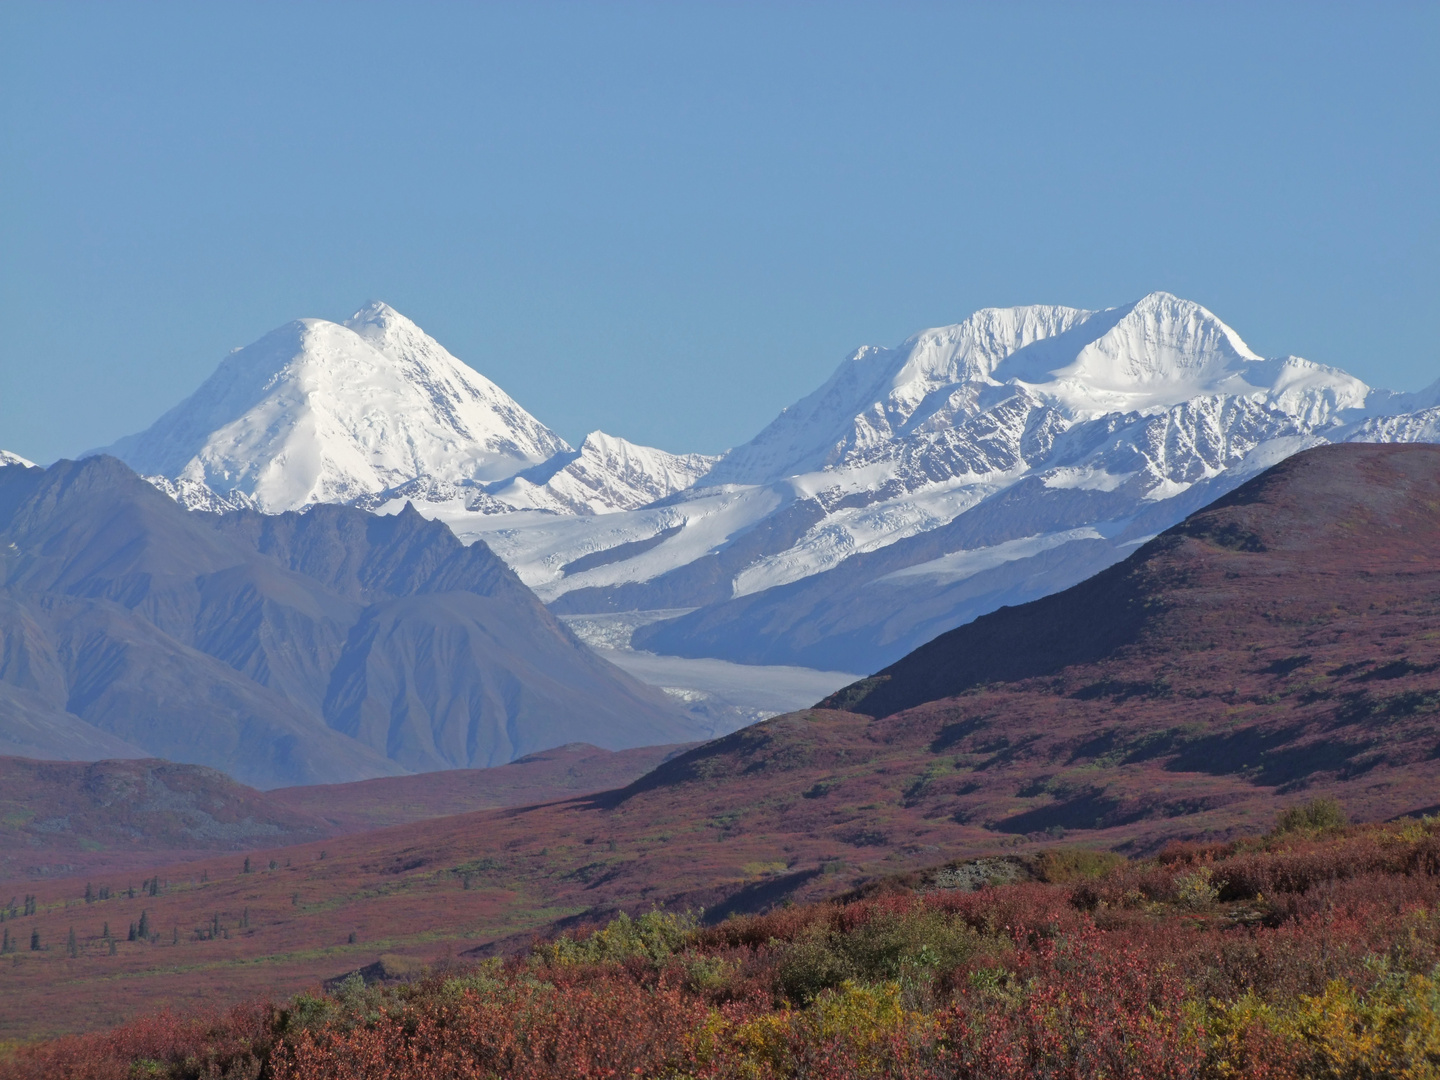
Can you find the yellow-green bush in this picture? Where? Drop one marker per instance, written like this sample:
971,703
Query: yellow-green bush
1393,1030
860,1020
654,936
1317,815
1061,865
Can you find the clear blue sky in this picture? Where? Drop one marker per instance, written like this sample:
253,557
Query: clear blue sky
671,220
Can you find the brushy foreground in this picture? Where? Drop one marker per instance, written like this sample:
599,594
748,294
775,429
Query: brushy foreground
1312,952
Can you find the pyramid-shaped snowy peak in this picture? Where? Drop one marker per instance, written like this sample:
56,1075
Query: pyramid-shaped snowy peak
317,411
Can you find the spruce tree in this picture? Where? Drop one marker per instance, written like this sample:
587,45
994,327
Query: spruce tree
34,940
71,948
144,929
106,932
89,893
247,865
5,942
131,936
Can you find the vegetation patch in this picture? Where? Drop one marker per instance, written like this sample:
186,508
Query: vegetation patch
1313,952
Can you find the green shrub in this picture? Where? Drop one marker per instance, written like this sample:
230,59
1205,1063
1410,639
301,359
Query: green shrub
654,936
1060,865
910,947
1317,815
1196,890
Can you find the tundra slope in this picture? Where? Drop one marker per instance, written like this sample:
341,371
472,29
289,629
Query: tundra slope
1281,644
116,820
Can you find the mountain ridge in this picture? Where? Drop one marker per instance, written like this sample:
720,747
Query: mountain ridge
282,649
1091,427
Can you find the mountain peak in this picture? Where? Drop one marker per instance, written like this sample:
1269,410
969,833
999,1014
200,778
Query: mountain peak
380,324
1158,351
317,411
374,311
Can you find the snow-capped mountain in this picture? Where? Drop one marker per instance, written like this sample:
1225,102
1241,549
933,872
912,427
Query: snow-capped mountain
7,458
982,463
327,412
1000,387
606,474
374,411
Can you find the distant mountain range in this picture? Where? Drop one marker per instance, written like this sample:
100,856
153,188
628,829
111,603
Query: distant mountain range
282,649
981,464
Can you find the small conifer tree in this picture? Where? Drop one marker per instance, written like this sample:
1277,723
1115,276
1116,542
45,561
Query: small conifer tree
72,949
89,893
143,931
34,940
131,936
247,865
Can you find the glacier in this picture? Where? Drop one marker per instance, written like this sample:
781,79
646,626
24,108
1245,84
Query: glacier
975,464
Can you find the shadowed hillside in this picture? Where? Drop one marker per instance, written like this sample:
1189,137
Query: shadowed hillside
1331,551
300,648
